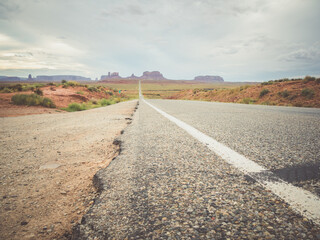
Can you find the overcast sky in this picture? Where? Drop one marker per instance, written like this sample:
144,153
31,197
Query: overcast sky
247,40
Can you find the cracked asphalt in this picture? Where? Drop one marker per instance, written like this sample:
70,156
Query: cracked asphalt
166,185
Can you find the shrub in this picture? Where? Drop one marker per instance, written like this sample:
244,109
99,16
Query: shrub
104,102
244,87
17,87
93,89
308,93
267,83
318,80
284,94
80,92
7,90
248,101
292,97
32,100
38,91
308,79
264,92
63,81
47,102
73,107
72,83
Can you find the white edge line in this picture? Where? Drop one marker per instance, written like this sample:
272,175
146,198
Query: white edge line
302,201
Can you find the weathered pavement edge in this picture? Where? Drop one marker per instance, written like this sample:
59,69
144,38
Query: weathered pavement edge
177,189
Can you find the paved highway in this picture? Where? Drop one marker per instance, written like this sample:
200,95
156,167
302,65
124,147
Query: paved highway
167,184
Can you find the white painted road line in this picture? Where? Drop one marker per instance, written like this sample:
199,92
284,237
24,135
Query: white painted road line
302,201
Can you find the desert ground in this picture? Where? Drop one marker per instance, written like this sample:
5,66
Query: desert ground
47,165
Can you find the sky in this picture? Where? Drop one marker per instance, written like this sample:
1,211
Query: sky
247,40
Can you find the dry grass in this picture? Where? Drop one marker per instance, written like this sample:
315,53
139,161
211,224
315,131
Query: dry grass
299,92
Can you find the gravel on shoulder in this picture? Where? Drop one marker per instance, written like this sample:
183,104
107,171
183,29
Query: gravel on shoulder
166,185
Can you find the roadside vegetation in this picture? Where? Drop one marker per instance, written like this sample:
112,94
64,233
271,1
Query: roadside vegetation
75,97
73,107
283,92
32,100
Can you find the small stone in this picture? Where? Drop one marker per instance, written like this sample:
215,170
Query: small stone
190,210
24,223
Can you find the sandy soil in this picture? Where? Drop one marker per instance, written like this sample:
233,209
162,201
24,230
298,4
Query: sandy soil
236,95
62,97
46,167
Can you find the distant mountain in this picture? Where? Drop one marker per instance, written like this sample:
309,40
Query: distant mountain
60,77
44,78
208,78
154,75
8,79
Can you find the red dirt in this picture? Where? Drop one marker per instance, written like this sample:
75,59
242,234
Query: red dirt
62,97
240,94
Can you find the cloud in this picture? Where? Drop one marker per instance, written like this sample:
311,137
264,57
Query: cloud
308,54
7,8
240,40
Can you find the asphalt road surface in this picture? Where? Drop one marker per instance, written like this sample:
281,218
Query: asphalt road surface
166,184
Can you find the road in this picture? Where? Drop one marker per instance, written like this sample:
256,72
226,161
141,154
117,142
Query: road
167,184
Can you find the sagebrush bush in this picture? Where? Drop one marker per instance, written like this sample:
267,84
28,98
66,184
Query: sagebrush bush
32,100
284,94
308,93
73,107
104,102
72,83
38,91
264,92
308,79
93,89
47,102
248,101
7,90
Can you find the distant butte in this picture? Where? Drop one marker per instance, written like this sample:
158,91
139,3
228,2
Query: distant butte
208,78
156,75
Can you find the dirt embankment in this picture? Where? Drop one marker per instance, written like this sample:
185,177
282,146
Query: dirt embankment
47,163
299,93
60,95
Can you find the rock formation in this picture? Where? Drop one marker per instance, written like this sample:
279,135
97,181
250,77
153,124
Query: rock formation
208,78
154,75
61,77
110,76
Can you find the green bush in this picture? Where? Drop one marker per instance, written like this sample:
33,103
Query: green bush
264,92
248,101
7,90
17,87
32,100
267,83
47,102
284,94
308,93
104,102
93,89
38,91
63,81
308,79
72,83
73,107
